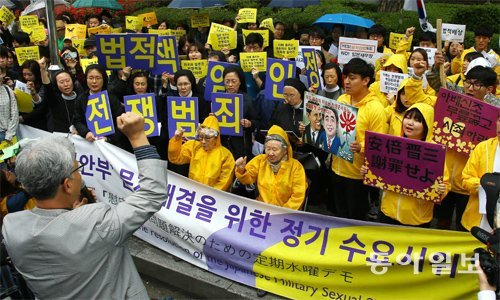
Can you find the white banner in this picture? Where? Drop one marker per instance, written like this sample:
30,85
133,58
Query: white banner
453,32
350,48
390,81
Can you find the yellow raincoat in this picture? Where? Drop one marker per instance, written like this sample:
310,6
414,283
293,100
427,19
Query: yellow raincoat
372,117
287,188
214,168
409,210
399,61
480,162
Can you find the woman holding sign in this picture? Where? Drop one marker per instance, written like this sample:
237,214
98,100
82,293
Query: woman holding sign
280,178
400,209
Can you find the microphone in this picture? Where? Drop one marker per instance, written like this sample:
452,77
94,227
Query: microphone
480,234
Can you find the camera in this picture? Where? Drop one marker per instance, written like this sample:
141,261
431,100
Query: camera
70,55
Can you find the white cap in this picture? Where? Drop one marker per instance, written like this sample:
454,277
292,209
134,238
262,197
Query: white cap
480,61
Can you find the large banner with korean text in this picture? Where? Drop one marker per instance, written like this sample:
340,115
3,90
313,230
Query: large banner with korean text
402,165
295,254
461,122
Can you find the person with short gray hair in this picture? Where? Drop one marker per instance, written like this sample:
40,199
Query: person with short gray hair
67,250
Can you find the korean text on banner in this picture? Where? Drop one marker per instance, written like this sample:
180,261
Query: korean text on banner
300,56
76,31
228,109
277,71
145,105
390,81
215,27
6,16
453,32
182,113
167,59
28,21
395,38
200,20
291,253
220,40
350,48
101,29
141,50
264,33
37,33
250,60
25,53
402,165
159,31
214,83
462,122
98,115
133,23
148,19
267,23
337,128
247,15
286,48
311,66
111,50
197,67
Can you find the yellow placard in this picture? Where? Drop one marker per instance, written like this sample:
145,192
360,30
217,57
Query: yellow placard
101,29
264,33
286,48
198,67
250,60
78,44
148,18
200,20
215,27
6,16
116,30
160,31
85,62
7,144
267,23
395,38
25,53
24,101
177,33
220,40
75,31
247,15
133,23
28,21
36,33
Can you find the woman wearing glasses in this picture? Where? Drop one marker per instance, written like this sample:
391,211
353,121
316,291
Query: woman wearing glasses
210,163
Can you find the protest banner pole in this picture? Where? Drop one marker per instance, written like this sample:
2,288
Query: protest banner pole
439,30
55,64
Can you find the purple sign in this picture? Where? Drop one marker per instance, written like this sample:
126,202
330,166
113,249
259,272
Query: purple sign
214,83
228,109
406,166
167,59
311,66
277,71
182,113
461,121
144,104
111,50
98,115
141,50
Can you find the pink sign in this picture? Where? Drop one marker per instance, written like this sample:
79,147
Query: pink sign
461,122
406,166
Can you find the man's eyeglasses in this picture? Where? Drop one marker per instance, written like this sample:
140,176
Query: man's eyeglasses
80,165
476,85
205,137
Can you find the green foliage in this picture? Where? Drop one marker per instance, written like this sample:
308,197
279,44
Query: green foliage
470,15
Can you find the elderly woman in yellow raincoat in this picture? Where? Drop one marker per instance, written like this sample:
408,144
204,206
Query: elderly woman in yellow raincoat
210,162
281,179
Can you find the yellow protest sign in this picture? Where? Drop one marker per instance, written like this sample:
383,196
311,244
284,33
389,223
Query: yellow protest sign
28,21
220,40
148,19
247,15
75,31
36,33
25,53
6,16
160,31
215,27
200,20
264,33
198,67
133,23
85,62
177,33
250,60
24,101
78,44
116,30
267,23
395,38
101,29
286,48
